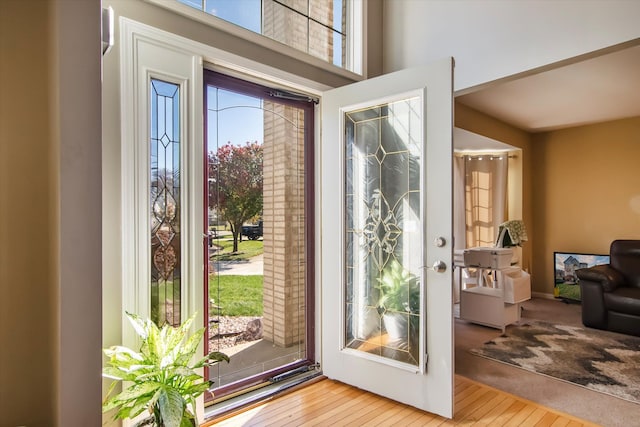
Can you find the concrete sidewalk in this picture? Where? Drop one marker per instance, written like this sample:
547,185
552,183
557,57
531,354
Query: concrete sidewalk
250,267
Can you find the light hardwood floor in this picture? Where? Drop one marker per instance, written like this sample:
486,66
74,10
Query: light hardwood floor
330,403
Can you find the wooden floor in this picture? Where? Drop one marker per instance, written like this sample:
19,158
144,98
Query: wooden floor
330,403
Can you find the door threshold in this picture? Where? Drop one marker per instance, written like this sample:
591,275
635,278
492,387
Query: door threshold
250,399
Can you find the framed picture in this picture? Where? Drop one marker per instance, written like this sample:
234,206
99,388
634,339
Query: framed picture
566,264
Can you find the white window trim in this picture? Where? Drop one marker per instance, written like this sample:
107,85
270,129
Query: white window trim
141,60
355,60
356,45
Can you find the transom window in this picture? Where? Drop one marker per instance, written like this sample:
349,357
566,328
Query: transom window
320,28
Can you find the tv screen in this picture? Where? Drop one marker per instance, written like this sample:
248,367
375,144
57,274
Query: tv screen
566,264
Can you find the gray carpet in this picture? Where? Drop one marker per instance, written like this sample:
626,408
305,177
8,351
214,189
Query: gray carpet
598,360
603,409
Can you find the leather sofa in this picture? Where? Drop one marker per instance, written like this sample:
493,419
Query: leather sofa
611,292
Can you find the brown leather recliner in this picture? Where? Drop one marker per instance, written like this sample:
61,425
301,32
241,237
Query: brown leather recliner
611,292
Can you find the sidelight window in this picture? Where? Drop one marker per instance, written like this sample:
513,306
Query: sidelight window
165,246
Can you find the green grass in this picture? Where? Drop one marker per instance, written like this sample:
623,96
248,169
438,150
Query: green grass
246,249
237,295
569,291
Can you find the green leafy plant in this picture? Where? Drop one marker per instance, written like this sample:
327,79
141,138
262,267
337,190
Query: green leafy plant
398,289
162,380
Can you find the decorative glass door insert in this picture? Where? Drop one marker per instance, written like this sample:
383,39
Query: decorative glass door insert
384,228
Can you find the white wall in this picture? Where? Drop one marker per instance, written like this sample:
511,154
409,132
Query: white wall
492,39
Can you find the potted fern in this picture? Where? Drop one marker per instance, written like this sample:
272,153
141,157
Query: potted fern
399,298
160,378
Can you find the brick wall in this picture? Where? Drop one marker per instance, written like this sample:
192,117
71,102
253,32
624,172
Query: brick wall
283,215
293,29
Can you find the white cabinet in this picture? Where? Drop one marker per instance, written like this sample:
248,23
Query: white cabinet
515,283
496,302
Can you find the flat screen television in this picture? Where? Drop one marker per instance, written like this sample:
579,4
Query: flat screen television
567,285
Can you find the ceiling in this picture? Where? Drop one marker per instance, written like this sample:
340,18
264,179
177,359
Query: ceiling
469,142
601,88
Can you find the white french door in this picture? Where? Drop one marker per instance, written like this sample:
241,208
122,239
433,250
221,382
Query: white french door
386,168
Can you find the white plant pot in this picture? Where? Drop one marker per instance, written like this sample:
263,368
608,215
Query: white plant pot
397,326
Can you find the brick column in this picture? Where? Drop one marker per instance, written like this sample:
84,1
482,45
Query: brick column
283,214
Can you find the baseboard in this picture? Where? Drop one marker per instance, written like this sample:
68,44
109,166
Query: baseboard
543,295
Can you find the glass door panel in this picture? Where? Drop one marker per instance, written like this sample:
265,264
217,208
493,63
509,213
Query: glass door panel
383,145
258,247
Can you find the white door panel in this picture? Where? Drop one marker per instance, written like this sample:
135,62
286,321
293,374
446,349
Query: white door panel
386,198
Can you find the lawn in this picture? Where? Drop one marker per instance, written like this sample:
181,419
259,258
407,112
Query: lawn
237,295
246,249
569,291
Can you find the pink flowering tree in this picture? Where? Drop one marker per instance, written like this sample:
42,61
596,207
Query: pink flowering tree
235,184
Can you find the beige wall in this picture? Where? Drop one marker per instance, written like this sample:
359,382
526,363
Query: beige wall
27,217
586,191
50,330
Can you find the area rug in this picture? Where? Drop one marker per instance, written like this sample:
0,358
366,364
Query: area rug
598,360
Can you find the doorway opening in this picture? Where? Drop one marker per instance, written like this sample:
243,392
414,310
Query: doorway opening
259,281
487,191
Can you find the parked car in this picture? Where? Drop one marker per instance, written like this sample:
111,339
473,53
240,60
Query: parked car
252,232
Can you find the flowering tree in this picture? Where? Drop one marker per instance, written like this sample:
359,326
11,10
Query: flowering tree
235,190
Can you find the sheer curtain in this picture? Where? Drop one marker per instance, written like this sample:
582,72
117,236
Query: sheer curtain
459,214
479,203
480,199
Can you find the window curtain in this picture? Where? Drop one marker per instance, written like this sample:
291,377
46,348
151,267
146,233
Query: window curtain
480,199
459,214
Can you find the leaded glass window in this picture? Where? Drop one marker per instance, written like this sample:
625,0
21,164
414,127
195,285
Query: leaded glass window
165,238
383,230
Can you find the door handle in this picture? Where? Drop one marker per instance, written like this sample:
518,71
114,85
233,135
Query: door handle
439,267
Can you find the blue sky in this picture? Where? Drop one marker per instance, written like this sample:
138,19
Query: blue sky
245,13
232,117
591,260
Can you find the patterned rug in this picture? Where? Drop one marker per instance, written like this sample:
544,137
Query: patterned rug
598,360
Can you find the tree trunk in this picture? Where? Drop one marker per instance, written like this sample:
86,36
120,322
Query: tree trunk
235,241
236,229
